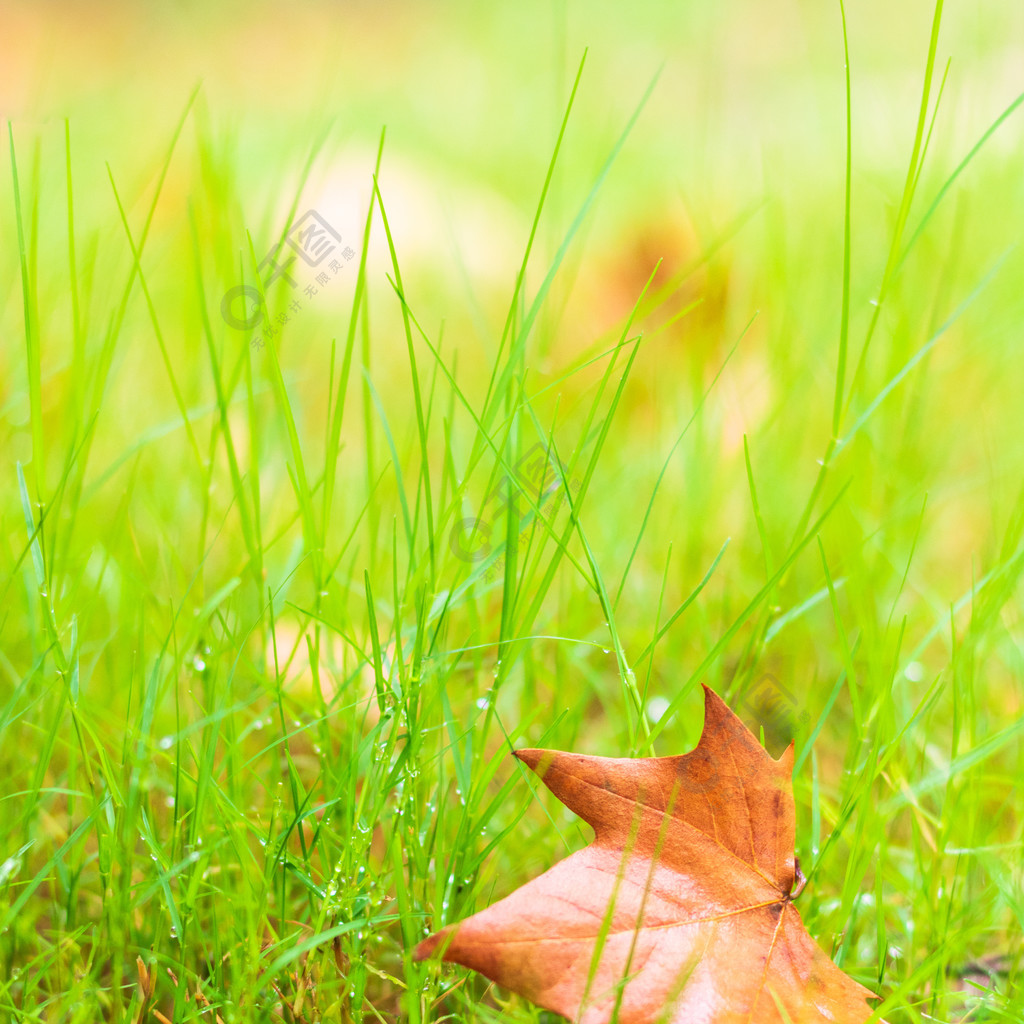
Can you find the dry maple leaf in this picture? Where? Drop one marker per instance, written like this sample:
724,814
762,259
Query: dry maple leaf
680,910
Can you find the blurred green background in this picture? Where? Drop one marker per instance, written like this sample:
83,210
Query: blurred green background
275,796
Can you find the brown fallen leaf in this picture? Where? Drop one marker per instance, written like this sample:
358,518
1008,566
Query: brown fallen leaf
680,910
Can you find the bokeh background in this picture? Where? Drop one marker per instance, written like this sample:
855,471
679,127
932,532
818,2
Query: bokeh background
143,572
730,177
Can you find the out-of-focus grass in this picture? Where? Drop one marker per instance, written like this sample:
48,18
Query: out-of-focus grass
255,708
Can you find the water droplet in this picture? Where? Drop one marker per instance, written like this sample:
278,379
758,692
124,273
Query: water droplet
166,742
9,868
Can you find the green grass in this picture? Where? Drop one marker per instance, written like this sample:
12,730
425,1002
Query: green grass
256,709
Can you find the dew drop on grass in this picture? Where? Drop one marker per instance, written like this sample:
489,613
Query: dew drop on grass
914,671
9,869
166,742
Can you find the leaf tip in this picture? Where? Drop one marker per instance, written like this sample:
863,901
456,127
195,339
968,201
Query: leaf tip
715,709
529,756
